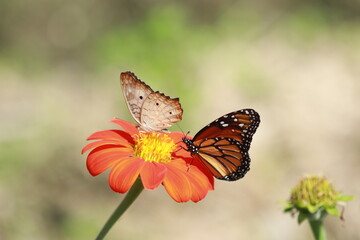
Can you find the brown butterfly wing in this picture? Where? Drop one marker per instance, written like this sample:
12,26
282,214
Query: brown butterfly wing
239,125
225,159
223,145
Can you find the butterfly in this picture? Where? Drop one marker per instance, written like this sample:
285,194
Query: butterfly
153,111
223,145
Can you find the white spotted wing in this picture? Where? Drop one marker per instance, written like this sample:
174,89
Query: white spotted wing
153,111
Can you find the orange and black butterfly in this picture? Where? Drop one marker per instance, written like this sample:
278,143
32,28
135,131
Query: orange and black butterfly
223,145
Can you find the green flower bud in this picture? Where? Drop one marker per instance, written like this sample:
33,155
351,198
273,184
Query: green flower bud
314,197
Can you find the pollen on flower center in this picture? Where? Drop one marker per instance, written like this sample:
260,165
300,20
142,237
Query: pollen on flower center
154,147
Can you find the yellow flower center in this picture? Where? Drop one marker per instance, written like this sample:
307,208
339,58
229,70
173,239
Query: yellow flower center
154,147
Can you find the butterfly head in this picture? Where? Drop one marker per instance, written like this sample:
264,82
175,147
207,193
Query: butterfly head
190,145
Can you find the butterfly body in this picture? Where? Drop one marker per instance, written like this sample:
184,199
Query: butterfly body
153,111
223,145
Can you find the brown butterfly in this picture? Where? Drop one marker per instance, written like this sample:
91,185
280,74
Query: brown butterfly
153,111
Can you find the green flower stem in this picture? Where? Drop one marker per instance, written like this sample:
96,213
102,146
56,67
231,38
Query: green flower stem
317,227
133,193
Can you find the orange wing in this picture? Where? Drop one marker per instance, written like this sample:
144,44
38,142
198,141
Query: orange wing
223,145
239,125
224,158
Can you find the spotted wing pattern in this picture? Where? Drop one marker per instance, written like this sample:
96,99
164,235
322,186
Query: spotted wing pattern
160,111
223,145
135,93
153,111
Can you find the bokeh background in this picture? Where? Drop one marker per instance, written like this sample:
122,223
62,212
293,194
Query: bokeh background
296,62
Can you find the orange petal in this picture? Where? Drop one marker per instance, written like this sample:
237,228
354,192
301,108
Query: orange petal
101,143
178,136
128,127
176,183
200,184
152,174
124,174
117,136
196,161
181,153
104,157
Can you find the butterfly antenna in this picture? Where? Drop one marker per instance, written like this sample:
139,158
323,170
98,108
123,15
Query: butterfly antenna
180,128
180,147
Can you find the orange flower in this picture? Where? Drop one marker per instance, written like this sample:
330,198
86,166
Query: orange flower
152,155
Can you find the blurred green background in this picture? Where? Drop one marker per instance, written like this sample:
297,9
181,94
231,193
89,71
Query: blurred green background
296,62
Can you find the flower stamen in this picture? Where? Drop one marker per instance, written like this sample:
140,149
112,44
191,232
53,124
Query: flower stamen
154,147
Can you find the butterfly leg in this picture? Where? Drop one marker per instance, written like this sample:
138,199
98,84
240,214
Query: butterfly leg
181,147
189,165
